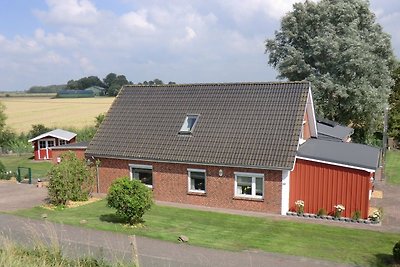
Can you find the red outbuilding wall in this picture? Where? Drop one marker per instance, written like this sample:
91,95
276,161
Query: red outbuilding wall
322,185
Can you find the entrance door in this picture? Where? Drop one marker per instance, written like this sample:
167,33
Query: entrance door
44,145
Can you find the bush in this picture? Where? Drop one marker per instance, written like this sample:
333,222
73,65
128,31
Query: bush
131,199
321,212
396,252
71,179
356,215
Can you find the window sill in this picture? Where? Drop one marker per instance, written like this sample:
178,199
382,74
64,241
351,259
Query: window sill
249,198
204,194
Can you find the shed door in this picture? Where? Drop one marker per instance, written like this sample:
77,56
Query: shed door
44,145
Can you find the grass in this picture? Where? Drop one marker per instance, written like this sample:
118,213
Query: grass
39,168
41,256
392,167
22,112
236,233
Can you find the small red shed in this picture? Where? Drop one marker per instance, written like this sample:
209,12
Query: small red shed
78,148
44,142
328,173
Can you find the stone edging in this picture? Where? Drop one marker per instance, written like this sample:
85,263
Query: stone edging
332,218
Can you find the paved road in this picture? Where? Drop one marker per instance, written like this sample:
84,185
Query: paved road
78,241
15,196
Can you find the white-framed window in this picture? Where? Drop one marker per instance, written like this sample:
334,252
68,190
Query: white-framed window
144,173
61,142
249,185
188,124
302,140
42,144
197,180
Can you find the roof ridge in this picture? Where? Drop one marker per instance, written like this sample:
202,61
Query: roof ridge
216,84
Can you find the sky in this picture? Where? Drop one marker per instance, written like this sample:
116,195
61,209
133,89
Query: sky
45,42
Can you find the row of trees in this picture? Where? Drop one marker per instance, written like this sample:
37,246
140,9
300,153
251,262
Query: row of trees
112,83
339,47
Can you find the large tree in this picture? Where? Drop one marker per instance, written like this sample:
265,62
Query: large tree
394,104
340,48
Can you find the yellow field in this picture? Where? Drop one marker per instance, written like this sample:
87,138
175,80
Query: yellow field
22,112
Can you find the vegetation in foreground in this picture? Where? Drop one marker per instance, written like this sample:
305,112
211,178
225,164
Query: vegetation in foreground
41,256
234,232
392,167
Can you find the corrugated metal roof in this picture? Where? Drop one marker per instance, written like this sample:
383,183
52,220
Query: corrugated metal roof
351,154
239,124
80,145
57,133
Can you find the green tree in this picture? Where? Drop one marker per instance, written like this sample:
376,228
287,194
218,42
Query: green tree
99,119
394,104
38,129
131,199
340,48
71,179
84,83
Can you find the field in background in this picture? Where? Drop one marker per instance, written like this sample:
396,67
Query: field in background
22,112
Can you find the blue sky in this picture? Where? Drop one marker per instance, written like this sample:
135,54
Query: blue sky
46,42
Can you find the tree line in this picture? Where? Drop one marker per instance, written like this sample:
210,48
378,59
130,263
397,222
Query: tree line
112,83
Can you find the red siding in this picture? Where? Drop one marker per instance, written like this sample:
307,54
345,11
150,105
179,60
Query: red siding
42,152
324,186
170,183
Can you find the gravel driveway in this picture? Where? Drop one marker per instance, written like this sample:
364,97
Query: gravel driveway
14,196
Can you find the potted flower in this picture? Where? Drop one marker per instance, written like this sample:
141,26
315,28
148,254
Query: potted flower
299,206
339,208
376,216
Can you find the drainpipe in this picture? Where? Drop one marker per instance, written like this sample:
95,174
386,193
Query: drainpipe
97,162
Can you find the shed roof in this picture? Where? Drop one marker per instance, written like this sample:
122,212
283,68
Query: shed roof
349,154
330,130
57,133
239,124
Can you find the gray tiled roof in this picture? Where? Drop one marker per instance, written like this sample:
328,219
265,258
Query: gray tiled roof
240,124
350,154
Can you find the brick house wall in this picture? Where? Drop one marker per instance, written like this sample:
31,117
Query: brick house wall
170,183
79,152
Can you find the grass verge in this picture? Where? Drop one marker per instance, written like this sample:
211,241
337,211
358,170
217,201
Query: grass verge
236,233
39,168
392,167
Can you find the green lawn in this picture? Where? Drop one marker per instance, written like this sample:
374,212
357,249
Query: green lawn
392,167
39,168
234,232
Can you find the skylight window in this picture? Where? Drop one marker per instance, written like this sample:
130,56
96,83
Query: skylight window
188,124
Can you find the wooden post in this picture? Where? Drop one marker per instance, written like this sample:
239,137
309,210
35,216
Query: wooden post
135,256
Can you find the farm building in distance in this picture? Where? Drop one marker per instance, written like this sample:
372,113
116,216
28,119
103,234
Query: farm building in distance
43,143
67,93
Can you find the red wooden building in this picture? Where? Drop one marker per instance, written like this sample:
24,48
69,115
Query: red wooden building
44,142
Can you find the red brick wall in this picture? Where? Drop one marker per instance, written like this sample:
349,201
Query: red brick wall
80,153
170,183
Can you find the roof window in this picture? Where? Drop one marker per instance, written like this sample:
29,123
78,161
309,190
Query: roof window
188,124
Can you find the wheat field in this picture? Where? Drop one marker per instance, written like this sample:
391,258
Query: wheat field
22,112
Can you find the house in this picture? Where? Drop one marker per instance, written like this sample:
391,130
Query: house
44,142
245,146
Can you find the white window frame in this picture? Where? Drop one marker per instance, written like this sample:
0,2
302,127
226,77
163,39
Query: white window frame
253,176
189,180
185,126
63,141
141,166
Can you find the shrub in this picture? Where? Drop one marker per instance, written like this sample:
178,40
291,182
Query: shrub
356,215
131,199
321,212
71,179
396,252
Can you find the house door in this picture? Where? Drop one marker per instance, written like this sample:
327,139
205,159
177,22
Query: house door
44,151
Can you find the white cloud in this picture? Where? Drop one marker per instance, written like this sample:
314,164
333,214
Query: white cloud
75,12
137,21
57,39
